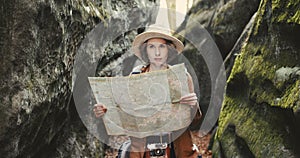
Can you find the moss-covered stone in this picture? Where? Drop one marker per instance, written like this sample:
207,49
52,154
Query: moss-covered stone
262,93
286,11
262,127
291,97
237,147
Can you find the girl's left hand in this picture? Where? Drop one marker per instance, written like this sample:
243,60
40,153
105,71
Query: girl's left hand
189,99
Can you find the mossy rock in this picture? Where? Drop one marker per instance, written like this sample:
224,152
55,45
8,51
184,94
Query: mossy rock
262,96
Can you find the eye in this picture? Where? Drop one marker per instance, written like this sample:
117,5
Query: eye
151,46
162,46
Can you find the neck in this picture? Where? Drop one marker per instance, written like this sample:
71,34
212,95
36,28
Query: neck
157,67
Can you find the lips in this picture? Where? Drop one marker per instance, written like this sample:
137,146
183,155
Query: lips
157,59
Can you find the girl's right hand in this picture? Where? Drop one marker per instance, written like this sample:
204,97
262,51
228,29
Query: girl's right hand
99,109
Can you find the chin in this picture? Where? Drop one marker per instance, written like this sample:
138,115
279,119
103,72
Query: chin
158,63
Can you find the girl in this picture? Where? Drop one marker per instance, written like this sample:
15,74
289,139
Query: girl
157,48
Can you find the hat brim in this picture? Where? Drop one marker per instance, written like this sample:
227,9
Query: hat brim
143,37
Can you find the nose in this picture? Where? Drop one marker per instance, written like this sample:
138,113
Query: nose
157,53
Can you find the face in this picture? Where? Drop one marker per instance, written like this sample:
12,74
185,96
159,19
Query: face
157,51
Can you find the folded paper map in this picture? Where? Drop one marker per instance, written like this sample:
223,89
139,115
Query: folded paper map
143,104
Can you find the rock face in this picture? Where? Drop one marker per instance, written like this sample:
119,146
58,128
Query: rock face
223,20
38,43
39,40
260,113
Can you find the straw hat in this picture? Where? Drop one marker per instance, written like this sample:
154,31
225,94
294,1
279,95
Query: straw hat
155,31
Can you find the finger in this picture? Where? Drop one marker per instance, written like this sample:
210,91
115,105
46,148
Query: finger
98,107
104,109
99,114
99,111
189,103
184,101
191,95
189,99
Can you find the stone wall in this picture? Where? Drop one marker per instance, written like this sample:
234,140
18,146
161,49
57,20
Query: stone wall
260,113
39,41
258,40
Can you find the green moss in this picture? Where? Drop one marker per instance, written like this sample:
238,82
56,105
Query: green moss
275,4
260,137
259,18
235,146
282,12
250,121
258,69
295,18
286,11
258,125
260,119
282,17
255,61
252,59
238,65
228,110
293,5
291,97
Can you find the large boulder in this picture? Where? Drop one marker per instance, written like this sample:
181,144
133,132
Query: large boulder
38,44
260,112
224,23
225,20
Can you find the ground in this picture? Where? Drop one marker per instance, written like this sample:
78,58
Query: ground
202,143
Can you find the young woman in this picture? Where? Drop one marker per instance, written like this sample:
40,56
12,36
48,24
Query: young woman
157,48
